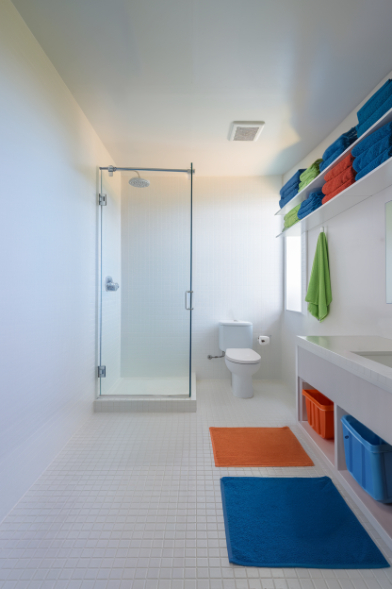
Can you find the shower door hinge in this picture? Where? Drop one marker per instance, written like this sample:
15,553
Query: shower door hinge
101,371
103,200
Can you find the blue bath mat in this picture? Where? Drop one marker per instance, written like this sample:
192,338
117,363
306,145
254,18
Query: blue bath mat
294,522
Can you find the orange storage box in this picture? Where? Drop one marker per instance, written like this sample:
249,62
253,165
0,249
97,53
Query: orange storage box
320,413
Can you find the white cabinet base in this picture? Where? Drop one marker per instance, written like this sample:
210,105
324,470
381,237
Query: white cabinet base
378,514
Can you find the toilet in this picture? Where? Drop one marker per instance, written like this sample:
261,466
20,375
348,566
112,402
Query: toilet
235,339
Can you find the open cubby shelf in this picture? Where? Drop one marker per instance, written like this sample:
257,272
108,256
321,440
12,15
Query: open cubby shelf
378,514
373,509
327,447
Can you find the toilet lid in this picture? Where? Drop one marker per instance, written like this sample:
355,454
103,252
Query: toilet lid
243,355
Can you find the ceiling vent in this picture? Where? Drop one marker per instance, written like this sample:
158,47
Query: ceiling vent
246,130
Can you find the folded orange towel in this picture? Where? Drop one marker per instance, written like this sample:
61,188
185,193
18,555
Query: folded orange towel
338,181
339,168
340,189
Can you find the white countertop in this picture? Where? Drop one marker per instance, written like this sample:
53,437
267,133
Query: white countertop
339,349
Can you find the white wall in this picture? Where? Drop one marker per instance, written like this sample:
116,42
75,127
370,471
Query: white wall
48,245
237,267
356,241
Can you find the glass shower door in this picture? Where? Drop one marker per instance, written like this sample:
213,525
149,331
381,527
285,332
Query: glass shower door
145,285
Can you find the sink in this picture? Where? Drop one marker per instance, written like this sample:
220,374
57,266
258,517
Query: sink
380,357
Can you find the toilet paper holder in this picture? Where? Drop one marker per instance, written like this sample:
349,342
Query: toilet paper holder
264,340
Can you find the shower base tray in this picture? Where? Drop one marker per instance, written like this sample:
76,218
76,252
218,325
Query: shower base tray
163,395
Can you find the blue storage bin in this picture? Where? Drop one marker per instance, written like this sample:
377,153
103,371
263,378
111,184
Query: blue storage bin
368,459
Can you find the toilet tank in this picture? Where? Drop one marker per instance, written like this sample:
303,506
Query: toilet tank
235,334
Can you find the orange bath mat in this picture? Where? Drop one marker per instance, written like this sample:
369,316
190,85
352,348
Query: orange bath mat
257,446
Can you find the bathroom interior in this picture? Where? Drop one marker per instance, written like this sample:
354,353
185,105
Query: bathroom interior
196,312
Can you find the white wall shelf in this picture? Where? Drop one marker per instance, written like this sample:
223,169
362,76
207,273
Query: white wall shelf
318,182
377,180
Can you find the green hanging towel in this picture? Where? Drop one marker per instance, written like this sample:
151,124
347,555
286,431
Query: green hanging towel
319,295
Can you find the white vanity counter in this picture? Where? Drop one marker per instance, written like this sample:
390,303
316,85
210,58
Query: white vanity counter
340,351
357,385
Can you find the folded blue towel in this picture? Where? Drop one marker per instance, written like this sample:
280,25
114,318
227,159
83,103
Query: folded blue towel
312,203
374,102
380,112
288,197
371,139
305,213
338,147
283,201
310,207
289,190
313,198
331,159
294,181
374,151
341,143
383,157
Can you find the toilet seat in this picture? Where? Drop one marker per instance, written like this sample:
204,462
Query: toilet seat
242,356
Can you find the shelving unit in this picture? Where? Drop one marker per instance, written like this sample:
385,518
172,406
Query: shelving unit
354,194
374,182
379,514
374,510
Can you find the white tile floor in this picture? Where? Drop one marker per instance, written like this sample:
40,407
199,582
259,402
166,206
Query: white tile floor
133,501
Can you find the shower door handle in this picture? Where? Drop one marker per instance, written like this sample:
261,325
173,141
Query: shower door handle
190,292
110,285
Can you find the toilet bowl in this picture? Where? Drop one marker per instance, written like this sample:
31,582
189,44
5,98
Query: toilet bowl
243,363
235,339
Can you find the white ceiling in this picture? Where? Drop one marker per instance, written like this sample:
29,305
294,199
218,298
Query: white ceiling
161,80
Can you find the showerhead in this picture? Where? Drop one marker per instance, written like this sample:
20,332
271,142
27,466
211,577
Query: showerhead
139,182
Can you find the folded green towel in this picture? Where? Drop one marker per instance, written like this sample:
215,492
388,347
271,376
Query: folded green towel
319,295
315,167
291,217
310,174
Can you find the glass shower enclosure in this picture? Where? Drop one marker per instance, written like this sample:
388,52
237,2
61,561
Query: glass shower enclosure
145,282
